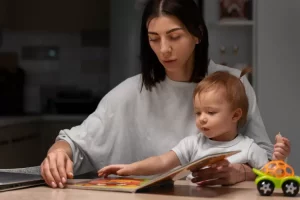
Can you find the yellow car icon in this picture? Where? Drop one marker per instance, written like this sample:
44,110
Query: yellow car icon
277,174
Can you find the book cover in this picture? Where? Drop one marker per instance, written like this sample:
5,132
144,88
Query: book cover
136,184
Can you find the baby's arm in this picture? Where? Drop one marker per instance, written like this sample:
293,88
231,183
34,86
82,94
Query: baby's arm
150,166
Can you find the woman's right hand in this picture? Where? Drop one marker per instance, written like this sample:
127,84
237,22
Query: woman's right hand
56,168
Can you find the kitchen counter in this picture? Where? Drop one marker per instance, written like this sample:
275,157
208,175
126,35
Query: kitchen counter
12,120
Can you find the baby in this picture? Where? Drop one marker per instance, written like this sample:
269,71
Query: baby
221,106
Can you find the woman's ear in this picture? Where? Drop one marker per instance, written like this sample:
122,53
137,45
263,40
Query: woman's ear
237,114
197,40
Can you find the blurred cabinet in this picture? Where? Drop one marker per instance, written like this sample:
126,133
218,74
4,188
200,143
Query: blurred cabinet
2,11
55,15
20,145
26,144
50,130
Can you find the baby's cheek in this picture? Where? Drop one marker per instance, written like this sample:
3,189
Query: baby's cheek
197,124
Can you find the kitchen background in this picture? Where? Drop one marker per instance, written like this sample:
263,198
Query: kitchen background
59,58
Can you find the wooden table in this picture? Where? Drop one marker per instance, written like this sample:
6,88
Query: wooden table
182,190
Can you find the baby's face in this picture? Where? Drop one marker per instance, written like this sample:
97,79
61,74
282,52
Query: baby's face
214,115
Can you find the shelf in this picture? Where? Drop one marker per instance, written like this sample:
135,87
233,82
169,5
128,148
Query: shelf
235,22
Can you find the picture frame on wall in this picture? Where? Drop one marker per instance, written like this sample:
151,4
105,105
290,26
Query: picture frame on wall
235,9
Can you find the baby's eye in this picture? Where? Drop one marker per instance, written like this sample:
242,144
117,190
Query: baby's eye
211,113
197,113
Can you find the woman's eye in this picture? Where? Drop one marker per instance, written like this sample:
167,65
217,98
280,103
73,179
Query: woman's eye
153,39
175,37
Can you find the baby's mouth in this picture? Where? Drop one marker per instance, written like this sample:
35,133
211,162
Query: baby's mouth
205,129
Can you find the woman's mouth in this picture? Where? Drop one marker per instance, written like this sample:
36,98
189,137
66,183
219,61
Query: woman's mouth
168,61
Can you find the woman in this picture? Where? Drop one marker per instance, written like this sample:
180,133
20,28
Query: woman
150,113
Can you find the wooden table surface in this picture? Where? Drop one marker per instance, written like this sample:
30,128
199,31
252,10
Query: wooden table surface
182,190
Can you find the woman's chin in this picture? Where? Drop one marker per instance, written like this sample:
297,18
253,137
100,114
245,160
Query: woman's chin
173,69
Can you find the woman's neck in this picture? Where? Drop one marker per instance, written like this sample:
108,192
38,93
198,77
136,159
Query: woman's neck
182,76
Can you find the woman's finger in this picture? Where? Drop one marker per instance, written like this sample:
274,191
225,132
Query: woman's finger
223,162
69,168
220,181
53,169
216,175
207,172
61,167
48,175
44,175
204,173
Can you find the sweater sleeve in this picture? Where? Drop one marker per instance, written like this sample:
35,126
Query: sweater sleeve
255,128
81,137
257,157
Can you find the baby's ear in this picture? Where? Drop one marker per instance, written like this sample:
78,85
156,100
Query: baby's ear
237,114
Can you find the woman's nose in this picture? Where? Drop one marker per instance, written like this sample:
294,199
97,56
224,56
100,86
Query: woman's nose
165,48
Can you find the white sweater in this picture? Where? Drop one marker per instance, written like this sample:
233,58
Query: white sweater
130,125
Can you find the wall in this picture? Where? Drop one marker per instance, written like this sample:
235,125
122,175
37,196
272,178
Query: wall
278,70
73,68
227,36
124,39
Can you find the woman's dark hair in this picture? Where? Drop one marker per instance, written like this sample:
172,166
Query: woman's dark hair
190,15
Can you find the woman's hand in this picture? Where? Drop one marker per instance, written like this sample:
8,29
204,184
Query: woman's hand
56,168
282,148
221,173
121,170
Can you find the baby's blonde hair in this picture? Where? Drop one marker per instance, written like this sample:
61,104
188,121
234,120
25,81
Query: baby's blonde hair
234,88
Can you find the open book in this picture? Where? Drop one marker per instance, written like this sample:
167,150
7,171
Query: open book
136,184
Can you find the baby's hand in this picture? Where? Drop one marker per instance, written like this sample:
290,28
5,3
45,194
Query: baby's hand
121,170
282,148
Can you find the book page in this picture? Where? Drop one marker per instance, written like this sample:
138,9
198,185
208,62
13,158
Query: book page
113,184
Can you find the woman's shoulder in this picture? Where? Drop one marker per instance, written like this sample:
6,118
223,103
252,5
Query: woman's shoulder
125,90
213,67
131,84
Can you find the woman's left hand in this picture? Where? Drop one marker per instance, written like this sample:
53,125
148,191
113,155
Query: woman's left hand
221,173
